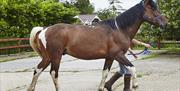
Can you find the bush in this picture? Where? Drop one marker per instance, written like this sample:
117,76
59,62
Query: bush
18,17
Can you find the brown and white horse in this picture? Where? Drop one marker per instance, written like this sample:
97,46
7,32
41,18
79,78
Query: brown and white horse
110,39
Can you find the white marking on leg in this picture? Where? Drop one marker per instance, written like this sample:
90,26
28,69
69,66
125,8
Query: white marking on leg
132,71
104,76
42,37
134,81
38,71
55,80
34,80
134,77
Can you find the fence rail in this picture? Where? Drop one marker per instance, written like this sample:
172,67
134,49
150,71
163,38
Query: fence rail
21,44
170,42
13,39
161,44
14,44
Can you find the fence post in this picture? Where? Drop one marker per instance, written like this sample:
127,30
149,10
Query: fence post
19,43
159,43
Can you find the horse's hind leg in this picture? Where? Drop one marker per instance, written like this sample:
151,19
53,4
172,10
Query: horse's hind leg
41,66
55,63
106,69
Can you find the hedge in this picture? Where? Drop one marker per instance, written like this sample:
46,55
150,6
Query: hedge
18,17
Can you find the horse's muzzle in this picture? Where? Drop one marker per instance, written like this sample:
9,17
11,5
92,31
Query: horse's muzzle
163,26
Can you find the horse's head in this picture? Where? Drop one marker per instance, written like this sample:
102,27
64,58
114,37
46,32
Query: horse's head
152,14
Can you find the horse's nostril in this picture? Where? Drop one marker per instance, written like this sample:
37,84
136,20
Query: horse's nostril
163,26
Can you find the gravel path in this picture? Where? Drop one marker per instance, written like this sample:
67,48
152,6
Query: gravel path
156,74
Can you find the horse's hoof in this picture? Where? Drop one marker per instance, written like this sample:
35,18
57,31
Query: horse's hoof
108,88
100,89
30,89
135,86
125,89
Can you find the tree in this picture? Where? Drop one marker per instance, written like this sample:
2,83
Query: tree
115,6
105,14
171,9
84,6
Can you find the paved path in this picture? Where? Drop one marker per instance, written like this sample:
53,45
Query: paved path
156,74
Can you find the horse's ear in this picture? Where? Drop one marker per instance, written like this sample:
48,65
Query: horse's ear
145,2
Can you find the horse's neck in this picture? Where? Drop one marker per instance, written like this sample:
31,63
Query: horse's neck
134,28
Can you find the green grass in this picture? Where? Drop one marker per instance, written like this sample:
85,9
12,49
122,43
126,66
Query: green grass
150,56
172,51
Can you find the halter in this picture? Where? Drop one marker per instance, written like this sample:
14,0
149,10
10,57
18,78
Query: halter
150,18
116,24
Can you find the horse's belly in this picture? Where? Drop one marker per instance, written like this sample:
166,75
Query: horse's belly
87,53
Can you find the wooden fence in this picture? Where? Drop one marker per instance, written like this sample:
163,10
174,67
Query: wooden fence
14,45
17,45
175,44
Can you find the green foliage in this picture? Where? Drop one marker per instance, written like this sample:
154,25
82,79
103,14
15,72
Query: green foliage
171,9
106,14
84,6
148,33
18,17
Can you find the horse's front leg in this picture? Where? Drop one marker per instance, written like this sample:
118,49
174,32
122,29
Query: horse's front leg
106,69
134,80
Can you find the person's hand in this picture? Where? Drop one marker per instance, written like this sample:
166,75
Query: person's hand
147,45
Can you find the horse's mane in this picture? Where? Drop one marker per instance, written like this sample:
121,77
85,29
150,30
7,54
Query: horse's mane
127,18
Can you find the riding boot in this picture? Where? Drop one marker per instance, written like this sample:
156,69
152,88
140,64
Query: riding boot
108,84
127,82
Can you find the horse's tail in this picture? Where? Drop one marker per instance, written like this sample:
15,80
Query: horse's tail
33,37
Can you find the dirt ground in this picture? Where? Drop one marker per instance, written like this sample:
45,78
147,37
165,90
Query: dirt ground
161,73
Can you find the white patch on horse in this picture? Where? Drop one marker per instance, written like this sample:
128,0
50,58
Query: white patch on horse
33,34
134,77
53,75
38,71
134,81
55,80
132,71
104,76
35,77
42,37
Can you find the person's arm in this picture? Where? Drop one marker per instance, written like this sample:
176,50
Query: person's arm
140,43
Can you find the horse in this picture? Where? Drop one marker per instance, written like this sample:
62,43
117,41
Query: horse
109,39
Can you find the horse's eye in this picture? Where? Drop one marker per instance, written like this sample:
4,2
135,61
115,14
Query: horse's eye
153,9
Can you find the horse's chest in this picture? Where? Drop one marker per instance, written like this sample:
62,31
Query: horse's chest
119,43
